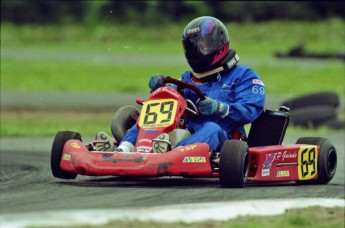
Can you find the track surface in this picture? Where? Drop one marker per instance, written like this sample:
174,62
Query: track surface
28,186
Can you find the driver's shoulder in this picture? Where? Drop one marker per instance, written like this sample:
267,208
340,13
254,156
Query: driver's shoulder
241,68
243,73
186,75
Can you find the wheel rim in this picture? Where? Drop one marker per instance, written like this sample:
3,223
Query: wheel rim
246,162
331,161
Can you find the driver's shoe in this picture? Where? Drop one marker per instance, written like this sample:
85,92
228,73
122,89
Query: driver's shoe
161,144
104,142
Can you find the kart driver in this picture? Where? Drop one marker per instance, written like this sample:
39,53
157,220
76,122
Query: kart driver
235,94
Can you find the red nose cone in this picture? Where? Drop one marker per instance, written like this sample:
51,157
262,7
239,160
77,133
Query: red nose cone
139,101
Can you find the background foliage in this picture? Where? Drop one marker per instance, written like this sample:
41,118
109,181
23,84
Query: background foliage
153,12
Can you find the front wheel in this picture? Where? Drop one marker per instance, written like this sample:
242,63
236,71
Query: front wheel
233,164
327,161
59,142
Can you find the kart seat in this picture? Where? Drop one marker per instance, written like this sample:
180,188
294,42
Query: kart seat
124,118
269,128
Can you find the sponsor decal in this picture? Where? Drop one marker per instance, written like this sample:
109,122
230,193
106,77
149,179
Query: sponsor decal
166,89
267,165
283,173
66,157
171,91
265,172
186,148
279,157
145,140
144,149
258,82
193,30
226,87
282,156
75,145
150,132
193,159
287,155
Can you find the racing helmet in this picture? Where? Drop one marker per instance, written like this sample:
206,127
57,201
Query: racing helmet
206,43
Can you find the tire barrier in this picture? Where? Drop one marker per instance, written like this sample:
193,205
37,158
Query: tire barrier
315,110
320,98
313,116
335,124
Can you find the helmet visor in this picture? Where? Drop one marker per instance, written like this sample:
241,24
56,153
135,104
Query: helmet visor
199,46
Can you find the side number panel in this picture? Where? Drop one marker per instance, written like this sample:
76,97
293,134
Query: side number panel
307,162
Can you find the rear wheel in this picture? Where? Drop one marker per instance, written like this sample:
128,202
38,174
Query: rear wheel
233,164
59,142
327,161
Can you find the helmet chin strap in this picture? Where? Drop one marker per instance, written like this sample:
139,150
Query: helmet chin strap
228,65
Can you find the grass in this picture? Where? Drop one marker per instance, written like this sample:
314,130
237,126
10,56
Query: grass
114,58
305,217
48,123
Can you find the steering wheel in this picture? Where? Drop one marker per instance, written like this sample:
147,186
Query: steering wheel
181,85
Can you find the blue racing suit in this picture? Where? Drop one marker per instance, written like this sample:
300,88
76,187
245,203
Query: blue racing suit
241,88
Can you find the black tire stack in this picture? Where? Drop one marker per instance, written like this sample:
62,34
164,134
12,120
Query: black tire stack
315,110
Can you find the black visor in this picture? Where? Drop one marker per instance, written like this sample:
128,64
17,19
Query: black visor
200,45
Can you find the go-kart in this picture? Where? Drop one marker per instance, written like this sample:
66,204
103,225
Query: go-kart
260,158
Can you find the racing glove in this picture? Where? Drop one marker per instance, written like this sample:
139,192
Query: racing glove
215,107
156,81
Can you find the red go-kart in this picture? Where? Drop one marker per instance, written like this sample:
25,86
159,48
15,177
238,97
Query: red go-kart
261,158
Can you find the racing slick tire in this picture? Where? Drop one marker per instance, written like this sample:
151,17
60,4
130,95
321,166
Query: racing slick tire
59,142
327,160
233,164
124,118
320,98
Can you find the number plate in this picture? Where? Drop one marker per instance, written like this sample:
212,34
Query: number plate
158,113
307,162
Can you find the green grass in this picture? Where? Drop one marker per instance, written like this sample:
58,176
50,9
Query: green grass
48,123
319,217
121,58
76,58
42,123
